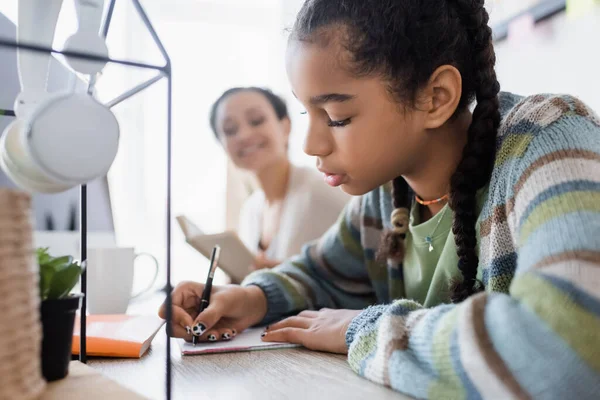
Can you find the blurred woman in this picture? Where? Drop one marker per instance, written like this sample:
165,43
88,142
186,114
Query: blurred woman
294,205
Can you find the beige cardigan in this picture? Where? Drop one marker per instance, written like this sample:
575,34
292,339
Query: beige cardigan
309,209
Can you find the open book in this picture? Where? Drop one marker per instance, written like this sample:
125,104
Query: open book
235,259
123,336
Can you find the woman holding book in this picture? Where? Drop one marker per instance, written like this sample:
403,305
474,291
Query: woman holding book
293,205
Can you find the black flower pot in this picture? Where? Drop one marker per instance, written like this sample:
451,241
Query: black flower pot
58,319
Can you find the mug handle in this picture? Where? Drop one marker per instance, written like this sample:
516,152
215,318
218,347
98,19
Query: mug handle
153,278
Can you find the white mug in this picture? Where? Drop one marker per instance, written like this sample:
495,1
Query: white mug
110,279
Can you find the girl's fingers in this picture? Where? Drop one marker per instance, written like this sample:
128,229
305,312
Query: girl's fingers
207,319
292,322
309,314
185,295
180,318
220,333
180,332
225,334
212,335
286,335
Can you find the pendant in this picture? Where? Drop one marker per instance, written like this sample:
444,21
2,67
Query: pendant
428,240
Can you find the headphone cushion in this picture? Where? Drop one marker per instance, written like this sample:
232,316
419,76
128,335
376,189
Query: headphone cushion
14,163
72,138
22,180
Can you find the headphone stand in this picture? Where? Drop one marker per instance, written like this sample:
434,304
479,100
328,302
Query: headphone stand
164,71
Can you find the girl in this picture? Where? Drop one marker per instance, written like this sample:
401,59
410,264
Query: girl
254,127
492,217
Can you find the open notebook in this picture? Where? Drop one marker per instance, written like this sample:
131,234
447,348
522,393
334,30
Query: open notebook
123,336
249,340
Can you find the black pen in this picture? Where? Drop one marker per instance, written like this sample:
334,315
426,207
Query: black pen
205,300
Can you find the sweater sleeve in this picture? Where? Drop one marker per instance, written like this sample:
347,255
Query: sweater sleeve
541,340
330,272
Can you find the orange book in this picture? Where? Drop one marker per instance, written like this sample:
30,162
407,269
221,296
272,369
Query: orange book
122,336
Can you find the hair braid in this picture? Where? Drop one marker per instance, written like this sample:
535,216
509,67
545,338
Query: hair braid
475,168
392,243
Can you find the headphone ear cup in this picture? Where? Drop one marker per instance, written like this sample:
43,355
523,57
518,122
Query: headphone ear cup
72,139
11,162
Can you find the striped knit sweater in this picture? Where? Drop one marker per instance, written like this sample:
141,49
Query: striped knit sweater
535,331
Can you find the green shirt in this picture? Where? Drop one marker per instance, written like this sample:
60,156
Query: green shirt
429,274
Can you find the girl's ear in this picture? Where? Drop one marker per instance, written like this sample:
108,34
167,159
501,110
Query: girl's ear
441,96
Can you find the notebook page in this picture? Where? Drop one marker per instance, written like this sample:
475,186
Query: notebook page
248,340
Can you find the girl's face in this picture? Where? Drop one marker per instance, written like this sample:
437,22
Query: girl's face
253,136
360,136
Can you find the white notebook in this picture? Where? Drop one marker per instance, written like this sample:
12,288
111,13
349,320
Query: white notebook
249,340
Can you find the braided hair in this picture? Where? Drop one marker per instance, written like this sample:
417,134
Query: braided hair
404,42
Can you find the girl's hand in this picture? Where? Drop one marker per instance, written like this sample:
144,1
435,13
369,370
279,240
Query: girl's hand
323,330
262,262
232,309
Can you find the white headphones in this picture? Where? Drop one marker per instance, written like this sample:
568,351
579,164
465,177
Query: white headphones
59,140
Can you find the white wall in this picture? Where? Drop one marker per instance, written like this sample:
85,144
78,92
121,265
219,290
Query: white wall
561,55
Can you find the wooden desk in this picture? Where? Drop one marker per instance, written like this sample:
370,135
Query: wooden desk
84,382
272,374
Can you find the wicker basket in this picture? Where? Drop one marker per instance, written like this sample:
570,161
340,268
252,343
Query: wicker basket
20,328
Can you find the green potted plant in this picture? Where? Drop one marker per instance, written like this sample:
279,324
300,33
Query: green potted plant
58,276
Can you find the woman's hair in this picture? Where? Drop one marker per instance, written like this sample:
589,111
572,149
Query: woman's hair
276,102
404,42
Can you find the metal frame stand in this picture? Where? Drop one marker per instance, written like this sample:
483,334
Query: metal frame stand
163,72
